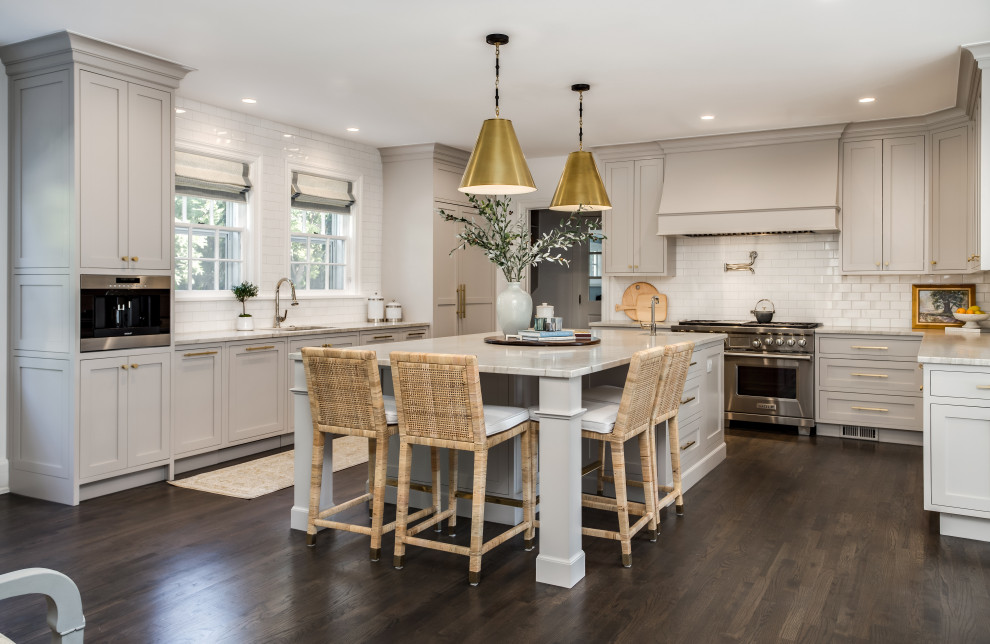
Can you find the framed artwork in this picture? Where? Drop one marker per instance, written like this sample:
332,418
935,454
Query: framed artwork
932,304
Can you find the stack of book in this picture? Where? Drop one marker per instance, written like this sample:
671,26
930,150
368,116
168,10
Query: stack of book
582,334
547,336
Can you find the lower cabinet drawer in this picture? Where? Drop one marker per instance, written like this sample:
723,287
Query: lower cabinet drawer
380,337
960,384
691,402
690,442
869,346
871,410
881,376
415,334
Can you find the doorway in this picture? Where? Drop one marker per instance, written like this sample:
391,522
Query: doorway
575,290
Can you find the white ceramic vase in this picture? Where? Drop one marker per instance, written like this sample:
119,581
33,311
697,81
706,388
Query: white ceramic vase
513,309
245,323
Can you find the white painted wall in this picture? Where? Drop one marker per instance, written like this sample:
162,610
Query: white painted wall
4,156
241,135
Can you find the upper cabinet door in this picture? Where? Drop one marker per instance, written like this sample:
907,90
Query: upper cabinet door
862,206
904,220
620,222
102,171
952,215
149,157
652,255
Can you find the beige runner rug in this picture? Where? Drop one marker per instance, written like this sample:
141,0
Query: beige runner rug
266,475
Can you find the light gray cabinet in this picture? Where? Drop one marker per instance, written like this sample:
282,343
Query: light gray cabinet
124,415
463,281
256,377
198,400
633,245
955,231
883,205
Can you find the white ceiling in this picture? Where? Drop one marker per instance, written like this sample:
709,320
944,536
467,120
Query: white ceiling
414,72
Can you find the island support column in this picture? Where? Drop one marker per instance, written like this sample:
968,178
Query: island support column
561,559
303,438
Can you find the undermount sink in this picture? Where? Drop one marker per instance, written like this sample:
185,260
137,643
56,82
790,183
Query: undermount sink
301,327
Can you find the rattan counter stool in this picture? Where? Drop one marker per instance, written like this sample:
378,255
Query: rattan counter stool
345,398
439,403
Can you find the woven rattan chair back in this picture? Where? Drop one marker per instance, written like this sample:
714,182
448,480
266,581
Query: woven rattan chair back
345,391
678,359
438,396
640,391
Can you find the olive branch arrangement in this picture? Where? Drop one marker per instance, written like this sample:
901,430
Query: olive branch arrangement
507,242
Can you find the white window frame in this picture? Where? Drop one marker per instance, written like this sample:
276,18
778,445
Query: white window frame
352,275
250,242
215,230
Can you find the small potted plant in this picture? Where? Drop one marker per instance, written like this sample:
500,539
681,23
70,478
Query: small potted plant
242,293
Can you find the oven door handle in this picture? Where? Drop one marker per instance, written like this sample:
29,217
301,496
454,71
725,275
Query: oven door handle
785,356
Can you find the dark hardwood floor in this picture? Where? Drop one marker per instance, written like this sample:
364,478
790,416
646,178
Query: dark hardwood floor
790,539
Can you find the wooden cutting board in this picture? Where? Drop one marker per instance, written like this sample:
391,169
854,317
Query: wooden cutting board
630,300
643,308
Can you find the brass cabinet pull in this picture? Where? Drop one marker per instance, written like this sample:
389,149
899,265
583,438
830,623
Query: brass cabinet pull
878,263
264,348
687,445
382,337
870,375
124,258
123,366
199,353
870,409
983,386
684,402
135,366
934,262
134,259
861,346
327,346
692,364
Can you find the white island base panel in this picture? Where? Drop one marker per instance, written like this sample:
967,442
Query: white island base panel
964,527
559,372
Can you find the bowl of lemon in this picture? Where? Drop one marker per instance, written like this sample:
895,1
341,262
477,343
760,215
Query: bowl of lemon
971,316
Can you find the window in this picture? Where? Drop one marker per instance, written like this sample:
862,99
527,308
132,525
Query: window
595,268
321,233
209,236
320,248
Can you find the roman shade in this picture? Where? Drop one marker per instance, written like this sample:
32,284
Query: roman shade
204,176
313,192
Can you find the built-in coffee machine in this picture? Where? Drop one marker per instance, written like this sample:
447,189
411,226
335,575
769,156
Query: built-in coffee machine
122,312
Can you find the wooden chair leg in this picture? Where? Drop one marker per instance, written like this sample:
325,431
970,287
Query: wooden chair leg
649,485
601,469
621,500
402,503
655,462
378,496
452,491
675,463
526,447
477,516
372,450
315,483
435,481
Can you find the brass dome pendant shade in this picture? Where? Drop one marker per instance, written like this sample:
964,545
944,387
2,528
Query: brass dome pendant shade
497,165
580,186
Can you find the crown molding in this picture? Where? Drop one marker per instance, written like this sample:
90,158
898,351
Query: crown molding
749,139
437,152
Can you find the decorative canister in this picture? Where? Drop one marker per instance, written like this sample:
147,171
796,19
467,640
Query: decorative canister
544,310
393,312
376,308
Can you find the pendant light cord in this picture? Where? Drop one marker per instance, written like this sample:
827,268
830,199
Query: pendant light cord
496,79
581,121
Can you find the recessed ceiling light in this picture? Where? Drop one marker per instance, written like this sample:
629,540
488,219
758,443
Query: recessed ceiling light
353,129
707,117
179,110
867,99
248,100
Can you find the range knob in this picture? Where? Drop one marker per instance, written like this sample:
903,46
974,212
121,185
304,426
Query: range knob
757,344
802,342
768,341
780,341
790,342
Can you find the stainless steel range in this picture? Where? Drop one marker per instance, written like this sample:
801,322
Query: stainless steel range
769,370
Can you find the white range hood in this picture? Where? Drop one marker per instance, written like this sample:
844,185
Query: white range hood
750,188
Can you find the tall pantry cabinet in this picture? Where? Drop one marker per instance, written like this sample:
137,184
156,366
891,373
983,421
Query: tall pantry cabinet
90,192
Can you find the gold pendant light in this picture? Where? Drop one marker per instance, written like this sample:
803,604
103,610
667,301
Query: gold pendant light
580,186
497,165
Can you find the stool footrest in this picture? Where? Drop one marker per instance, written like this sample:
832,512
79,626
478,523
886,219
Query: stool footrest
346,505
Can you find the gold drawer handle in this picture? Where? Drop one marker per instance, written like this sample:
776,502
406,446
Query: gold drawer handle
692,364
687,445
870,409
135,366
328,346
264,348
684,402
418,333
983,386
199,353
859,346
123,366
382,337
134,259
871,375
124,258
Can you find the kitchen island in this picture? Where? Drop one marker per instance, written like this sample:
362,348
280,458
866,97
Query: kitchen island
558,373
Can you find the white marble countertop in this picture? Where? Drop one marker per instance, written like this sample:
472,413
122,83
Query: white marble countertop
955,348
862,330
625,324
227,335
615,349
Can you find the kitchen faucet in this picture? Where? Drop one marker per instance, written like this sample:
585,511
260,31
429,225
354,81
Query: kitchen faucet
653,314
279,319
